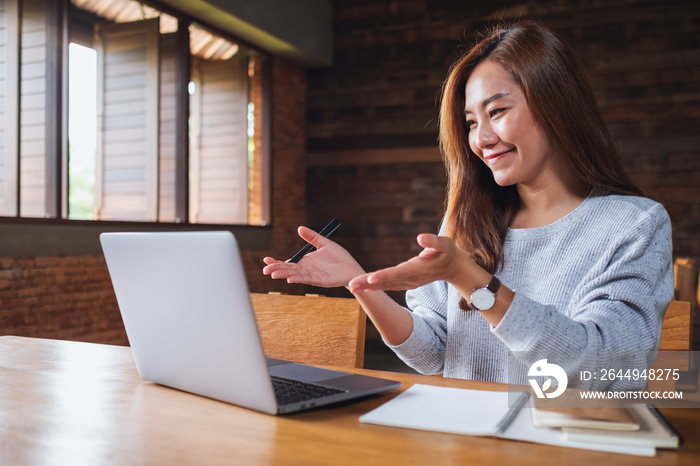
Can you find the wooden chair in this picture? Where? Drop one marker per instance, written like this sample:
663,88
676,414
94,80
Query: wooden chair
675,328
311,329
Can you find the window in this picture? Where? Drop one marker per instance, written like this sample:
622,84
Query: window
133,115
219,115
82,131
9,110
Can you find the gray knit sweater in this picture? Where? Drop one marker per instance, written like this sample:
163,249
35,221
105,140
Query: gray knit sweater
591,290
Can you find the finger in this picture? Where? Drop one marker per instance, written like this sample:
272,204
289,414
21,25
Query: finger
430,244
429,253
359,283
296,279
358,286
426,240
281,274
379,277
430,241
386,279
270,260
310,236
269,269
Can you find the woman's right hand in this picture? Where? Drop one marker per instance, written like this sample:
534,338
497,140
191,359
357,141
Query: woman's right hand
330,265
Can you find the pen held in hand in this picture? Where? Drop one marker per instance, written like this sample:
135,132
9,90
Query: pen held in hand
308,247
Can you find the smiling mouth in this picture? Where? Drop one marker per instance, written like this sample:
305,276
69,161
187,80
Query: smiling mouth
495,157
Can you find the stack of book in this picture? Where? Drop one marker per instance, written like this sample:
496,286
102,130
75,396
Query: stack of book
606,423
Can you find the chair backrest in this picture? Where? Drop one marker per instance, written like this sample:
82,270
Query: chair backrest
675,328
311,329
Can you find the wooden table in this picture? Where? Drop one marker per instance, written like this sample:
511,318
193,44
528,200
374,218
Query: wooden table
70,403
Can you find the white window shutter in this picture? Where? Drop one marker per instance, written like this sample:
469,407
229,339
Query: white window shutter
32,115
9,107
218,141
166,137
126,186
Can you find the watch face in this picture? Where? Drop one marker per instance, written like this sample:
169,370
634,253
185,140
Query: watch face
483,299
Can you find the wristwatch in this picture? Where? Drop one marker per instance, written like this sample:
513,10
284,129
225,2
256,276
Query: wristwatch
482,299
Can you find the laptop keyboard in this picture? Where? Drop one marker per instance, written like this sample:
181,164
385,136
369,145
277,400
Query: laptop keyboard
293,391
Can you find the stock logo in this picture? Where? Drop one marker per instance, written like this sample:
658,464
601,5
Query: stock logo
542,368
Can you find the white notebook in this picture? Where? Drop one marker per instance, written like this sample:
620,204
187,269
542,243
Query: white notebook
479,413
654,431
619,418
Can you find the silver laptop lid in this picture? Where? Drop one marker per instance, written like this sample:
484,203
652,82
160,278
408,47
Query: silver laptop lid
159,278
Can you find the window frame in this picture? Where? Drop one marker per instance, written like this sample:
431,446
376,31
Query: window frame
59,14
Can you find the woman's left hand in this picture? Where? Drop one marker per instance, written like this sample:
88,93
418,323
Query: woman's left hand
439,260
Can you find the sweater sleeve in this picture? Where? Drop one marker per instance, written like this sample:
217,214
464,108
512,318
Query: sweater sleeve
424,349
613,319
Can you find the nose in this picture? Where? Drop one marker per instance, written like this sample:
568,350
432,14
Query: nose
483,137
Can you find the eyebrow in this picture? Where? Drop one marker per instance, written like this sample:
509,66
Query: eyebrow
489,100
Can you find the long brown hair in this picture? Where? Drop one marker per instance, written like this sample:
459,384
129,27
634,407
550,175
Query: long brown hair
479,211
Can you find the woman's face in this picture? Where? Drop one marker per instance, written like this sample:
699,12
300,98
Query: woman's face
502,131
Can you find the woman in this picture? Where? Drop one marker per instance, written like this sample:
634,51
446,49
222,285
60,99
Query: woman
538,200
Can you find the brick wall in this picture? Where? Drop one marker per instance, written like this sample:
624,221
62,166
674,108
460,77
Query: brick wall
372,126
71,297
59,297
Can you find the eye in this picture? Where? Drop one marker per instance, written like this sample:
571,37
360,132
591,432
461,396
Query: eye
470,124
495,111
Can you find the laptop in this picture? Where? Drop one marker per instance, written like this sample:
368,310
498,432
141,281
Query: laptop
186,308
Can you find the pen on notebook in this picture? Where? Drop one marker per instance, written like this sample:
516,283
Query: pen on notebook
308,247
512,413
